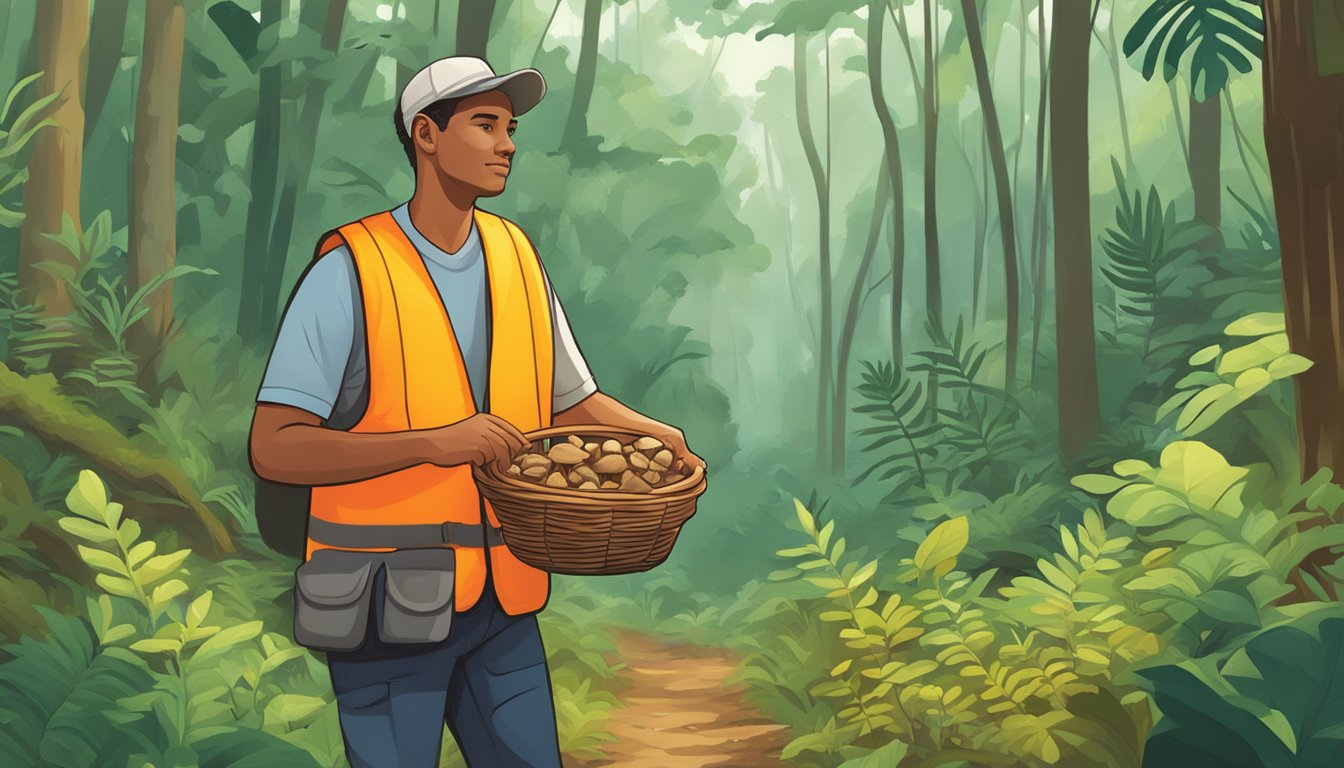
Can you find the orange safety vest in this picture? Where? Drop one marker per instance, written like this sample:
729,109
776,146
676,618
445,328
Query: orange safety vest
418,380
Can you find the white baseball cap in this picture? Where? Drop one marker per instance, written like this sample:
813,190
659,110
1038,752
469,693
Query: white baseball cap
457,76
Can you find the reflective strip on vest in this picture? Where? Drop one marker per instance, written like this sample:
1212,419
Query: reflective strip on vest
418,380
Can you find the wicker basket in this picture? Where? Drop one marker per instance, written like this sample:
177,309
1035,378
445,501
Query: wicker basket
589,532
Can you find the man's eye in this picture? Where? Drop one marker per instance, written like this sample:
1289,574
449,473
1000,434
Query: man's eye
486,126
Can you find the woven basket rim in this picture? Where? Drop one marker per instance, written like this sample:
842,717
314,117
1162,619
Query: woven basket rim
689,487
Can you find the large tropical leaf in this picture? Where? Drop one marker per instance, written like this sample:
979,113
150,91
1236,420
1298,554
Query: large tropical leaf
1218,35
1277,702
55,696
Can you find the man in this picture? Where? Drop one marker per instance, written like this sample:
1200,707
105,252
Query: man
419,342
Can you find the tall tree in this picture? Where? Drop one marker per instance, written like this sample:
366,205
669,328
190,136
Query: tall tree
1002,186
327,20
1079,411
933,265
1112,50
1038,208
1218,35
265,172
821,186
891,143
576,128
153,229
51,195
1304,109
473,26
105,37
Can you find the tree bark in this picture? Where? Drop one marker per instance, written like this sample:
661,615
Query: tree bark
55,167
35,404
153,224
1038,236
300,164
839,403
891,143
546,30
106,34
576,128
1002,186
473,27
821,185
1113,55
1079,412
265,172
1303,111
1206,156
933,281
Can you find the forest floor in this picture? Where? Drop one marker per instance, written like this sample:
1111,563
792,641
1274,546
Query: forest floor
680,711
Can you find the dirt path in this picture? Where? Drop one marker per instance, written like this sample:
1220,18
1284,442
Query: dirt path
680,712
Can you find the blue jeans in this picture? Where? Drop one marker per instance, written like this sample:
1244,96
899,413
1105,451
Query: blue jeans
487,680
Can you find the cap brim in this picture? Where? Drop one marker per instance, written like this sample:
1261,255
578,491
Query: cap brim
525,88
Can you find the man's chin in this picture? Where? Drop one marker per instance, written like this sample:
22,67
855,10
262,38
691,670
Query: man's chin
492,189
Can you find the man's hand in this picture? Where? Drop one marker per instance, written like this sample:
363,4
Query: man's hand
675,440
479,439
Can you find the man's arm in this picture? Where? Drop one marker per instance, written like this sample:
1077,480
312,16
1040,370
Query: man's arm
289,445
600,408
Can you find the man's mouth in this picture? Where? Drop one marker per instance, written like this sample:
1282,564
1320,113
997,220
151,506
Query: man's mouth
504,166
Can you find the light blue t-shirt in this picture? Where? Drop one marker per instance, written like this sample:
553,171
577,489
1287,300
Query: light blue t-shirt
319,362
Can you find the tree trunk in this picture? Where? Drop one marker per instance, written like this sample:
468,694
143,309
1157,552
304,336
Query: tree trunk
576,128
1079,413
106,34
1206,156
1038,229
36,405
473,27
933,281
300,164
786,234
891,143
839,403
544,32
820,184
1002,184
153,224
1304,108
55,167
1113,55
265,170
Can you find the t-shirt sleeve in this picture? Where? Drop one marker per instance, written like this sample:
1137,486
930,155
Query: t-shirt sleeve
573,381
313,345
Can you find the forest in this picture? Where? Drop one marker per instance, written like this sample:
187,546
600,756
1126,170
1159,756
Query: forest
1011,332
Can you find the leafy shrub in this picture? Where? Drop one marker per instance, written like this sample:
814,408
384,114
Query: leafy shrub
1277,702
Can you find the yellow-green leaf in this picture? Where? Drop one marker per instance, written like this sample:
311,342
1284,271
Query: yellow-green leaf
88,496
85,529
1257,324
944,542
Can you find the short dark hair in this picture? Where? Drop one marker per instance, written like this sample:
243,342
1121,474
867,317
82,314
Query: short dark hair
439,112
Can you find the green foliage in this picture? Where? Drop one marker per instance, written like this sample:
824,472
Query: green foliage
905,429
1278,701
1147,249
982,436
1217,34
57,693
15,135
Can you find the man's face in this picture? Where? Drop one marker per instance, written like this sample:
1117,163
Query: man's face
476,149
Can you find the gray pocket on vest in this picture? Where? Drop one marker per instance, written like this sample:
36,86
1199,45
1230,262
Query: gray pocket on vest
331,599
418,607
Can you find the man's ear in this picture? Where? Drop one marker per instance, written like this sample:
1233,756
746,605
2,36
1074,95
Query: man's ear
424,133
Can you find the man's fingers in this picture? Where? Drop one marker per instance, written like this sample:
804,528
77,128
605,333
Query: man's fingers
509,446
507,429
